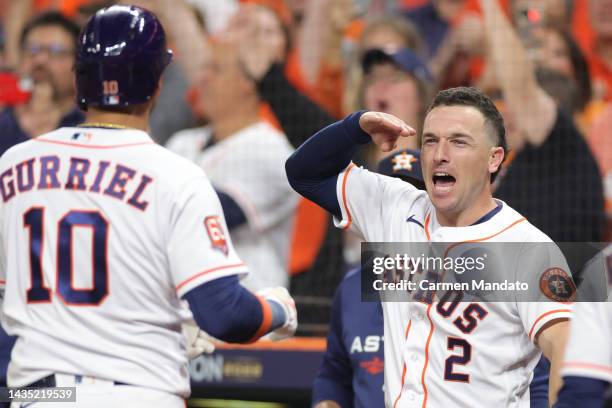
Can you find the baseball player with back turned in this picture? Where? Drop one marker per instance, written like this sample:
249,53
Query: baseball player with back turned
587,368
104,233
440,354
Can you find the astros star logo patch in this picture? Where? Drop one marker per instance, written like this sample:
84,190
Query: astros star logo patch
557,285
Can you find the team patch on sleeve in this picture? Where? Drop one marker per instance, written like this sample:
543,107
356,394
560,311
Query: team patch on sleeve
214,228
557,285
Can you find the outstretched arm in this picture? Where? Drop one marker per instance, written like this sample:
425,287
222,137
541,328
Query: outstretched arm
313,168
516,76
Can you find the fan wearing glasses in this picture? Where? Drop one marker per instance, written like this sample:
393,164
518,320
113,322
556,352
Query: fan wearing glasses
47,47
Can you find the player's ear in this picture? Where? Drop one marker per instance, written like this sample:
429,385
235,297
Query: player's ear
496,158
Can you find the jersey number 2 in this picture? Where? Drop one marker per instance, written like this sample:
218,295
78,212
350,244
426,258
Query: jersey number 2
463,359
33,220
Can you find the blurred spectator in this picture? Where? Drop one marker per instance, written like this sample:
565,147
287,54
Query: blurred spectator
600,58
396,82
600,140
47,47
316,263
263,54
458,59
386,33
434,20
556,14
216,13
188,40
558,51
551,176
244,158
390,32
315,62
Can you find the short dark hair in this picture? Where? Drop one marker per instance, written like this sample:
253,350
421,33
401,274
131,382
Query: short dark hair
470,96
51,18
581,70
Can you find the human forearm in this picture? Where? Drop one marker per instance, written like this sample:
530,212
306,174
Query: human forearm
513,69
552,342
229,312
310,38
515,74
188,36
312,170
16,16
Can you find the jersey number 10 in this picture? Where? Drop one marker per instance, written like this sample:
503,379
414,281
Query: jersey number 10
34,221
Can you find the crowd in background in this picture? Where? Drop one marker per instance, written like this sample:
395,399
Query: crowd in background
253,79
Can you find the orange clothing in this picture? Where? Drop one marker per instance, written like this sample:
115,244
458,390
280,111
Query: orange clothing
602,73
600,141
327,91
309,231
67,7
278,6
581,26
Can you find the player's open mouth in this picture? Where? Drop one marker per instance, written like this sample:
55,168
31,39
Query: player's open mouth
443,181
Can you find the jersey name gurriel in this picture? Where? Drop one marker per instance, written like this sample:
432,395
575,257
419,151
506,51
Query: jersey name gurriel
42,173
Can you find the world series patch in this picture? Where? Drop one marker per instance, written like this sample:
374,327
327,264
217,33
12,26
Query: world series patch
557,285
215,233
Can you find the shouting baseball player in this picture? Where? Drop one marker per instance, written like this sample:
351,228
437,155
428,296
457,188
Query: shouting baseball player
103,233
440,354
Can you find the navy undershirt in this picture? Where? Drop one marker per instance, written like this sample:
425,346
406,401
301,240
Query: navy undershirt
582,392
228,311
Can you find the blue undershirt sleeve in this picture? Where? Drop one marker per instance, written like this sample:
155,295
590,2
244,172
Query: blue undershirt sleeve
228,311
313,168
581,392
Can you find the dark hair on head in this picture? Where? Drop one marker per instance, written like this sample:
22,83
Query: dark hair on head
561,87
581,70
469,96
51,18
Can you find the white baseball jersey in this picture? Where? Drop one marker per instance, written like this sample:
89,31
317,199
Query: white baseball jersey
589,349
249,166
102,232
480,354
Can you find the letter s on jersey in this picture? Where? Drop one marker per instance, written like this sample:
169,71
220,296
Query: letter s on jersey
214,228
370,344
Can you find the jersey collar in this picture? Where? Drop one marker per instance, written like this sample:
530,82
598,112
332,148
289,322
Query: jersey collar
97,137
480,228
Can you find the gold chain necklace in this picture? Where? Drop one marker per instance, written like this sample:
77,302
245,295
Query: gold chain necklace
102,125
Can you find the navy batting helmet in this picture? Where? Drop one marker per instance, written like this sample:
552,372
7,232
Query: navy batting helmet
121,55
